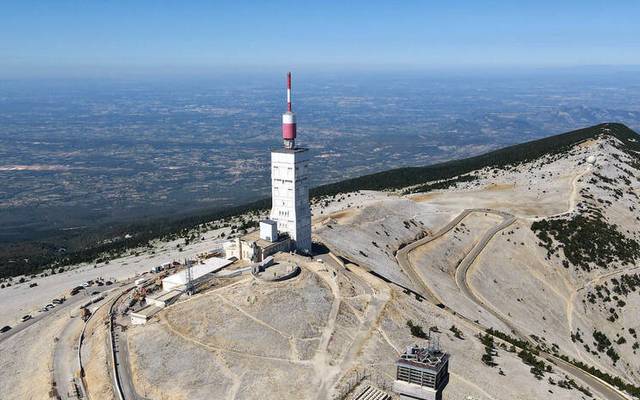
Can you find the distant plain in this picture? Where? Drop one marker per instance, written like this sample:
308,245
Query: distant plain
77,154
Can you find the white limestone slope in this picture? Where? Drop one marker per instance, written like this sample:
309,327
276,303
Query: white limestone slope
514,275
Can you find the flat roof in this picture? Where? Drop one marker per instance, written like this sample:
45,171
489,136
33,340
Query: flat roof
146,311
289,151
209,265
425,360
255,237
165,296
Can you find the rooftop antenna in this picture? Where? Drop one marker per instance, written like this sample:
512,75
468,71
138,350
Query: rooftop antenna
434,344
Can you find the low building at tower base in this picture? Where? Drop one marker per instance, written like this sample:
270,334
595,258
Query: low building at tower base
255,246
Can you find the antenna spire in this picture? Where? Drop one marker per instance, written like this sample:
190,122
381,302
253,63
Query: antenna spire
289,91
289,120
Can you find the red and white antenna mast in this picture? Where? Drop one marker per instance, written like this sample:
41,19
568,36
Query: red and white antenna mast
289,91
289,120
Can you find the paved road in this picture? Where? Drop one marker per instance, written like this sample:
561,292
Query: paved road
467,261
122,363
120,351
65,358
80,380
65,363
68,305
609,392
403,257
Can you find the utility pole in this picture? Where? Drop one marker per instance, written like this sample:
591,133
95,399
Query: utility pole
189,283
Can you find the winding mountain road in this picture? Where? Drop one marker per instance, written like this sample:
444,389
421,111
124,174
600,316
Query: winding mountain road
606,390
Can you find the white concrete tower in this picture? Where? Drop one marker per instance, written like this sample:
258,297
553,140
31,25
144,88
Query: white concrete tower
290,184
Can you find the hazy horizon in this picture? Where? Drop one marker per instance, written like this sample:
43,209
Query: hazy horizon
76,38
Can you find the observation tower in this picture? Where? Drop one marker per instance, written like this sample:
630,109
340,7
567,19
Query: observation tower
290,184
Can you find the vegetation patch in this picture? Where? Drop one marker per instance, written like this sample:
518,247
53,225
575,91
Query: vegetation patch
610,379
489,350
446,184
456,332
538,367
603,343
523,344
568,383
625,284
586,240
416,330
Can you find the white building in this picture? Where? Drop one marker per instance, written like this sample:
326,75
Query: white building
269,230
290,195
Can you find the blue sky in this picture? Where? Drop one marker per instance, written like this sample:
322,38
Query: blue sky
41,37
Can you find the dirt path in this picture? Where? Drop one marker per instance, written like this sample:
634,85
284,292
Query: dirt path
571,201
235,379
379,299
473,385
251,317
292,339
325,372
200,343
598,279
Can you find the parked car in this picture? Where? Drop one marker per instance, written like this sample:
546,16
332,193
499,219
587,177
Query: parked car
26,318
5,328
